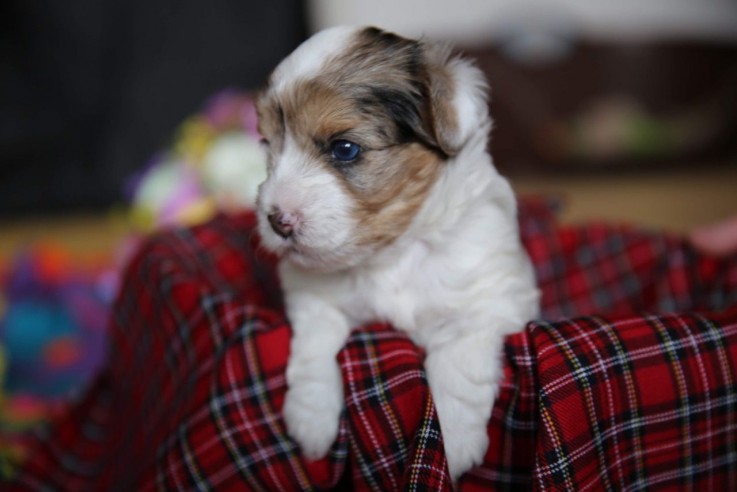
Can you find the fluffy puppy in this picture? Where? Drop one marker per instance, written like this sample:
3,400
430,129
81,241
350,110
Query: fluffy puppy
384,205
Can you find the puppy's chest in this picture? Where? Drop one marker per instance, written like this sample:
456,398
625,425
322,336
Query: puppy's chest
405,299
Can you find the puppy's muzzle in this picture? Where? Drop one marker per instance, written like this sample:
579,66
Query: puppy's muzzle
282,224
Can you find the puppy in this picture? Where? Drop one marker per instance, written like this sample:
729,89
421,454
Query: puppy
383,203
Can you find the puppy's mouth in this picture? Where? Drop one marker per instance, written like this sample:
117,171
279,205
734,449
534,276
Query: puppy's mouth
308,259
285,246
293,248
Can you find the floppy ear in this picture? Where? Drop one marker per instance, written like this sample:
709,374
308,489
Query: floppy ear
431,94
457,94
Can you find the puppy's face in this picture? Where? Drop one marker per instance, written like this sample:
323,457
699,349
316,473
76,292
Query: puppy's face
358,125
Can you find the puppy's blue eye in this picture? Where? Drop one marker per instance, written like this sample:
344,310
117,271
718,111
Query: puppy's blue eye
345,151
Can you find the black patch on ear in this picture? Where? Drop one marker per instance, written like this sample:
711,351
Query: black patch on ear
410,112
401,107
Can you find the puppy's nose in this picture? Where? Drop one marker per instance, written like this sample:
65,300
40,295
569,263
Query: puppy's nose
282,224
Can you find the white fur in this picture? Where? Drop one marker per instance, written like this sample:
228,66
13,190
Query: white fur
309,57
457,281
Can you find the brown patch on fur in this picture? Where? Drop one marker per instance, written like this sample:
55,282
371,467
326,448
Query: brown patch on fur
396,193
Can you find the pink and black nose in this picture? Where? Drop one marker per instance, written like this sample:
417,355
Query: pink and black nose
282,224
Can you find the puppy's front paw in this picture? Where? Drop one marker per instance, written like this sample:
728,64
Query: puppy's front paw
465,447
463,377
312,414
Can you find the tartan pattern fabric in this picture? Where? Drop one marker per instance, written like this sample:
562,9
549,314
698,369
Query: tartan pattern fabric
628,384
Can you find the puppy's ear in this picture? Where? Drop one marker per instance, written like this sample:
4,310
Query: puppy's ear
432,95
457,98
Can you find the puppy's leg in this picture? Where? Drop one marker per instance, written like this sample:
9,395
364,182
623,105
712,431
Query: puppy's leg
314,396
464,375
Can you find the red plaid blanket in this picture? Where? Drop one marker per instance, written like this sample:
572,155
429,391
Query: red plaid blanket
601,396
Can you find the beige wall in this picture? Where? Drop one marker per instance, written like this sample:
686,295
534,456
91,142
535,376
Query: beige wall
474,21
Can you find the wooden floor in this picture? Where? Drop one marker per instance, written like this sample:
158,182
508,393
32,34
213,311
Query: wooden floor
674,201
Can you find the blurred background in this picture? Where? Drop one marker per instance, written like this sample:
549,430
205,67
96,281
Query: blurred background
117,118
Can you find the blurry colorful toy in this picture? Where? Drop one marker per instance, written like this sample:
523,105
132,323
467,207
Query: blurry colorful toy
52,340
215,164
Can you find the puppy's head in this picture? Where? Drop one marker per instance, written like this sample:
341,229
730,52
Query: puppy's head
359,125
